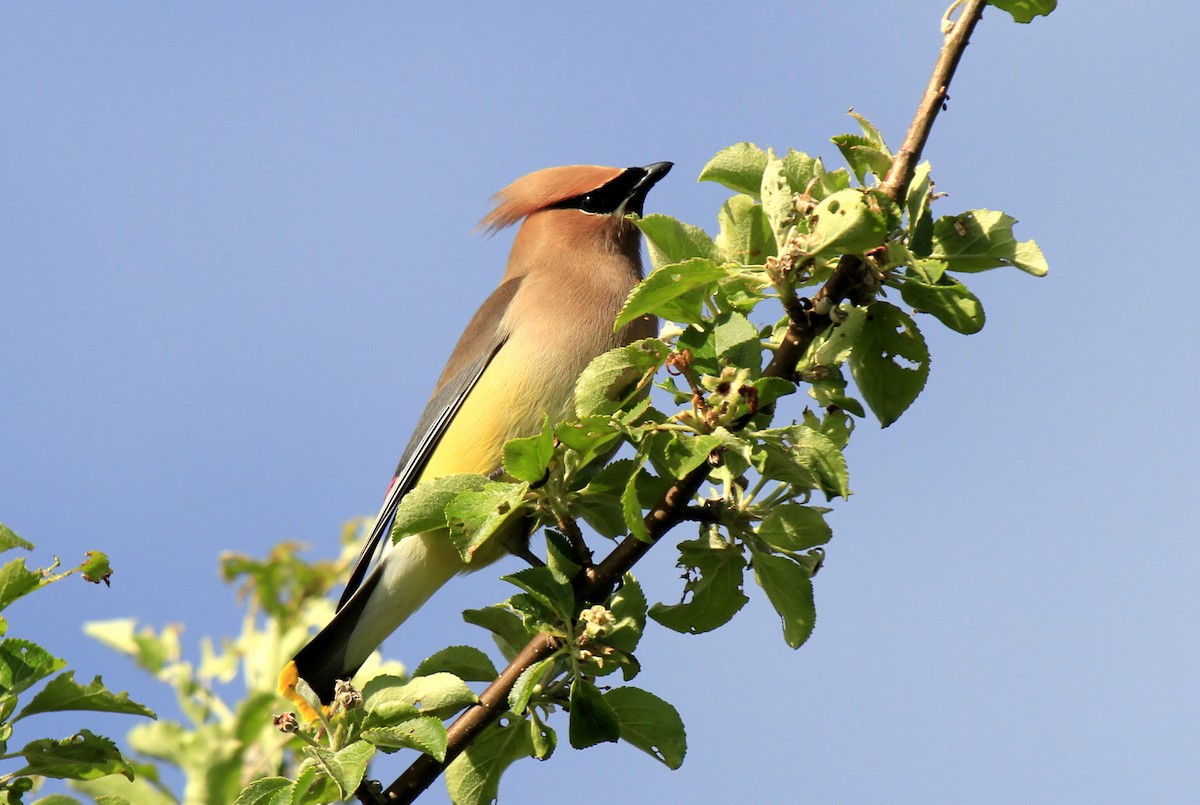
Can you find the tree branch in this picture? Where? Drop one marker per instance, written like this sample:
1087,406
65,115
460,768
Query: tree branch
596,584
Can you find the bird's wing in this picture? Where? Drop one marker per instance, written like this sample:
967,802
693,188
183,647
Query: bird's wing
476,348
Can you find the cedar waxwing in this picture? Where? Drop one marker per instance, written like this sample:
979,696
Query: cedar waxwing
572,265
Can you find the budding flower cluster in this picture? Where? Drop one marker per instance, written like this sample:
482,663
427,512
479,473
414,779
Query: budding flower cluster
286,723
597,622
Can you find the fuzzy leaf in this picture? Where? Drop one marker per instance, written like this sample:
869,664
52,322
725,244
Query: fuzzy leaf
424,507
465,662
739,167
64,693
676,292
670,241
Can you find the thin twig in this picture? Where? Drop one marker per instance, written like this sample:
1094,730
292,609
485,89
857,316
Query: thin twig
597,584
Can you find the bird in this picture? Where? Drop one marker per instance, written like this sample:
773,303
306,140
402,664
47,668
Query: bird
573,262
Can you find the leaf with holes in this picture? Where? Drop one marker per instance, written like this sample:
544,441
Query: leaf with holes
890,361
650,724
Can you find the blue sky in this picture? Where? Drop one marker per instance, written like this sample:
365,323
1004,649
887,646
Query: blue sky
236,246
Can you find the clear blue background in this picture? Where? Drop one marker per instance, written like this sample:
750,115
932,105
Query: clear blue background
236,246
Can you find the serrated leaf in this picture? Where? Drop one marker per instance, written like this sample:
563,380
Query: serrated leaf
477,518
593,720
23,663
670,241
789,589
82,756
424,733
739,167
64,693
16,581
793,527
267,791
675,454
465,662
890,362
650,724
871,134
917,203
947,300
746,236
424,507
10,540
527,683
631,506
474,776
980,240
592,437
676,292
508,630
612,377
737,342
527,459
549,588
1025,10
345,767
388,702
863,156
628,607
713,591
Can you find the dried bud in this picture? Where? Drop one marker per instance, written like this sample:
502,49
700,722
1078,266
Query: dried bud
286,723
345,695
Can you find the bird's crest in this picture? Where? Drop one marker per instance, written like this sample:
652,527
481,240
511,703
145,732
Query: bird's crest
540,189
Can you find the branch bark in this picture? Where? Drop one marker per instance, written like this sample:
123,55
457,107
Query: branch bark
805,325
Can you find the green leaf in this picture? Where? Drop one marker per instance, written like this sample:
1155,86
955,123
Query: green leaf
650,724
793,527
947,300
863,156
917,202
474,776
802,455
83,756
16,580
612,377
676,291
890,363
528,459
1025,10
10,540
670,241
424,507
631,505
628,606
746,236
56,799
507,628
739,167
527,684
543,738
593,719
871,134
599,503
267,791
847,222
592,437
465,662
95,568
983,239
550,589
345,767
424,733
713,589
737,341
676,454
387,701
486,516
24,663
789,589
64,693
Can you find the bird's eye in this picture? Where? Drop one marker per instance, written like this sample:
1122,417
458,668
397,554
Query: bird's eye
587,202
